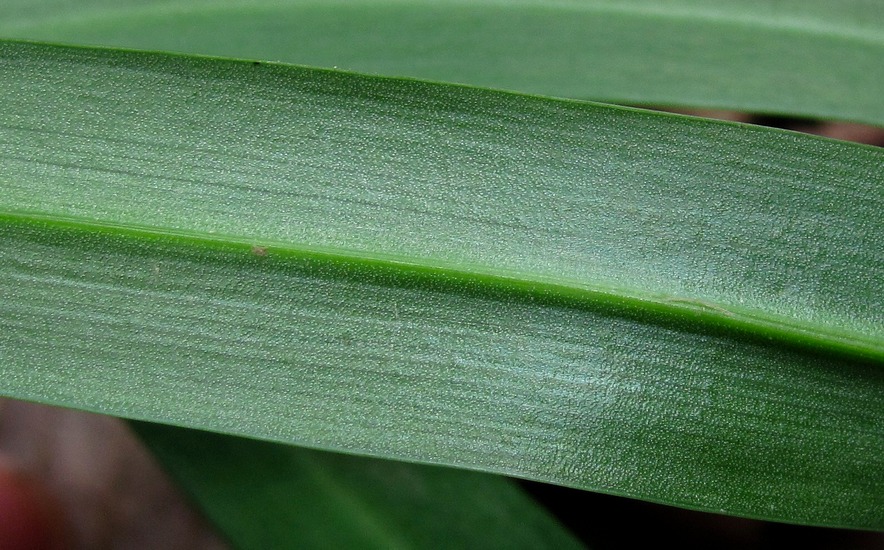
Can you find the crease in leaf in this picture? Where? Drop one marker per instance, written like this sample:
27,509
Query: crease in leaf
687,312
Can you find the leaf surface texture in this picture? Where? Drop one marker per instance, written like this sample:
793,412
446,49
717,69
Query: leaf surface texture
649,305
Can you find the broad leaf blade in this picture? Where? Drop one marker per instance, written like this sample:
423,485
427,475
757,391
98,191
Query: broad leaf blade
597,297
772,231
265,495
809,57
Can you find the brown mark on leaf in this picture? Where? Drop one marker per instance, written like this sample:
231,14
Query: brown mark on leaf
695,303
259,251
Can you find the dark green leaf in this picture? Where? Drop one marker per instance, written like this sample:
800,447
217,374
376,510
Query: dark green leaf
265,495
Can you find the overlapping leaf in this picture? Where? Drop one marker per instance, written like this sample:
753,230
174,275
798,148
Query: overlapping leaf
802,57
265,495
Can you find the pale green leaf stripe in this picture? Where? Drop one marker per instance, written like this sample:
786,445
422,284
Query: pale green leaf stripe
265,495
807,57
434,279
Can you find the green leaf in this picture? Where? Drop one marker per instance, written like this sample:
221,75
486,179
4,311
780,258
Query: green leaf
806,57
265,495
649,305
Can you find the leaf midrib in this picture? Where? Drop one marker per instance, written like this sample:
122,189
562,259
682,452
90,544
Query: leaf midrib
687,312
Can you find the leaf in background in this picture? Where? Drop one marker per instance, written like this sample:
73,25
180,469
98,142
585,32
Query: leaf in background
804,57
656,306
265,495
